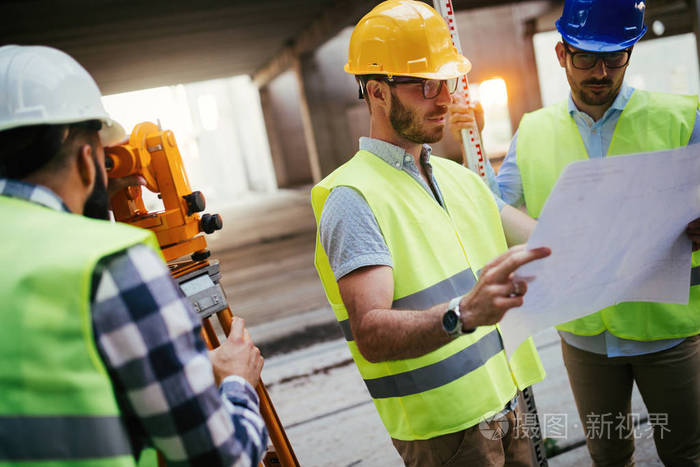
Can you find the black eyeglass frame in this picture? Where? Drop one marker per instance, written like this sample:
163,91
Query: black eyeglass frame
598,56
394,80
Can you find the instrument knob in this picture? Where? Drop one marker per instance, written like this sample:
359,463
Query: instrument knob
211,223
195,202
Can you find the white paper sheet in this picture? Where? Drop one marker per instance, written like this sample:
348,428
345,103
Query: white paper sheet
616,229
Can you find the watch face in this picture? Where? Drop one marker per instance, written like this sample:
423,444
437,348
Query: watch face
450,320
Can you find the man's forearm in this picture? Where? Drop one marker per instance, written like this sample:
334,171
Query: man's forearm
517,225
388,334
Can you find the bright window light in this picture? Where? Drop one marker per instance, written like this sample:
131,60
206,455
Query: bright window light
496,135
493,93
208,112
220,132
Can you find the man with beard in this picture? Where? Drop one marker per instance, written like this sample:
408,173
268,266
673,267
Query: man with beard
413,257
654,345
102,353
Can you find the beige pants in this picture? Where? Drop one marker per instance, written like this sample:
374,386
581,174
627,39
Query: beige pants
493,443
669,382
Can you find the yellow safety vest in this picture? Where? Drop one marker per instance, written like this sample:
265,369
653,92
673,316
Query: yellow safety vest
57,404
548,140
436,255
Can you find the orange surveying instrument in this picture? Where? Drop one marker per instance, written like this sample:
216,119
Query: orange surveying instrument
153,154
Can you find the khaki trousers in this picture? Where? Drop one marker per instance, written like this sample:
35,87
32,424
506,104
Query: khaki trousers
490,443
669,382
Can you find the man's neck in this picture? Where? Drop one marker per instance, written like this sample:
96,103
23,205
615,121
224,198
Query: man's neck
596,112
414,149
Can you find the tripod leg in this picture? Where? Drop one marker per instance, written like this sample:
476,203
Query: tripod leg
283,453
209,334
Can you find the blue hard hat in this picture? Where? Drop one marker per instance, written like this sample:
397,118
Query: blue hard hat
602,25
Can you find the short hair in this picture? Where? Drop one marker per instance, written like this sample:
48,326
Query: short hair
29,149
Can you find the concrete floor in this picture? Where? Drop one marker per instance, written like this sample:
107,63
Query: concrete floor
266,256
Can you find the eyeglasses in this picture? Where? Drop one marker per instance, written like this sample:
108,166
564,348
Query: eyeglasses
587,60
431,87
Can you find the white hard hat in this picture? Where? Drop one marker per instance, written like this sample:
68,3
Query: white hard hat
43,85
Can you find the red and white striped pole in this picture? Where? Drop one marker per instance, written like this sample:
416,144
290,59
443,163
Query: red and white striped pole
471,140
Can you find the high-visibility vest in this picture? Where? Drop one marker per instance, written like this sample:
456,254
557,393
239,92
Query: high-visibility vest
57,402
436,256
548,140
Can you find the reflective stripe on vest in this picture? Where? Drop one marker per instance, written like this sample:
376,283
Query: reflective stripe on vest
459,284
347,331
62,437
439,373
442,372
434,253
548,140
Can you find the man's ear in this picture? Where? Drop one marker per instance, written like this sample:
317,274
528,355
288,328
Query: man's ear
561,54
86,166
378,93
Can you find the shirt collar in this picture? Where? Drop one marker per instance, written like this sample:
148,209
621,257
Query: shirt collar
391,154
618,104
34,193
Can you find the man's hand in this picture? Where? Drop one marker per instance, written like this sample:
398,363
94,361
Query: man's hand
114,185
497,291
693,231
237,355
461,116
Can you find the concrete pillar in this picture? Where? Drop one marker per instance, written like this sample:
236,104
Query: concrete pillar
273,138
281,105
331,95
313,109
307,123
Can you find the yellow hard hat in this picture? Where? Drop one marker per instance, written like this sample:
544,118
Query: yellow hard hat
404,38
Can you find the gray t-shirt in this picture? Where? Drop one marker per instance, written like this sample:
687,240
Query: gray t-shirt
348,229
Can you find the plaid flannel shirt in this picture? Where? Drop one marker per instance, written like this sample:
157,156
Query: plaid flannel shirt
149,339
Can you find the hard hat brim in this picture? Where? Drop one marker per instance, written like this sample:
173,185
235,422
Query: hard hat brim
450,70
599,45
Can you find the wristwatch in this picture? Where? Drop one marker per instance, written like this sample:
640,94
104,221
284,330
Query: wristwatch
452,320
